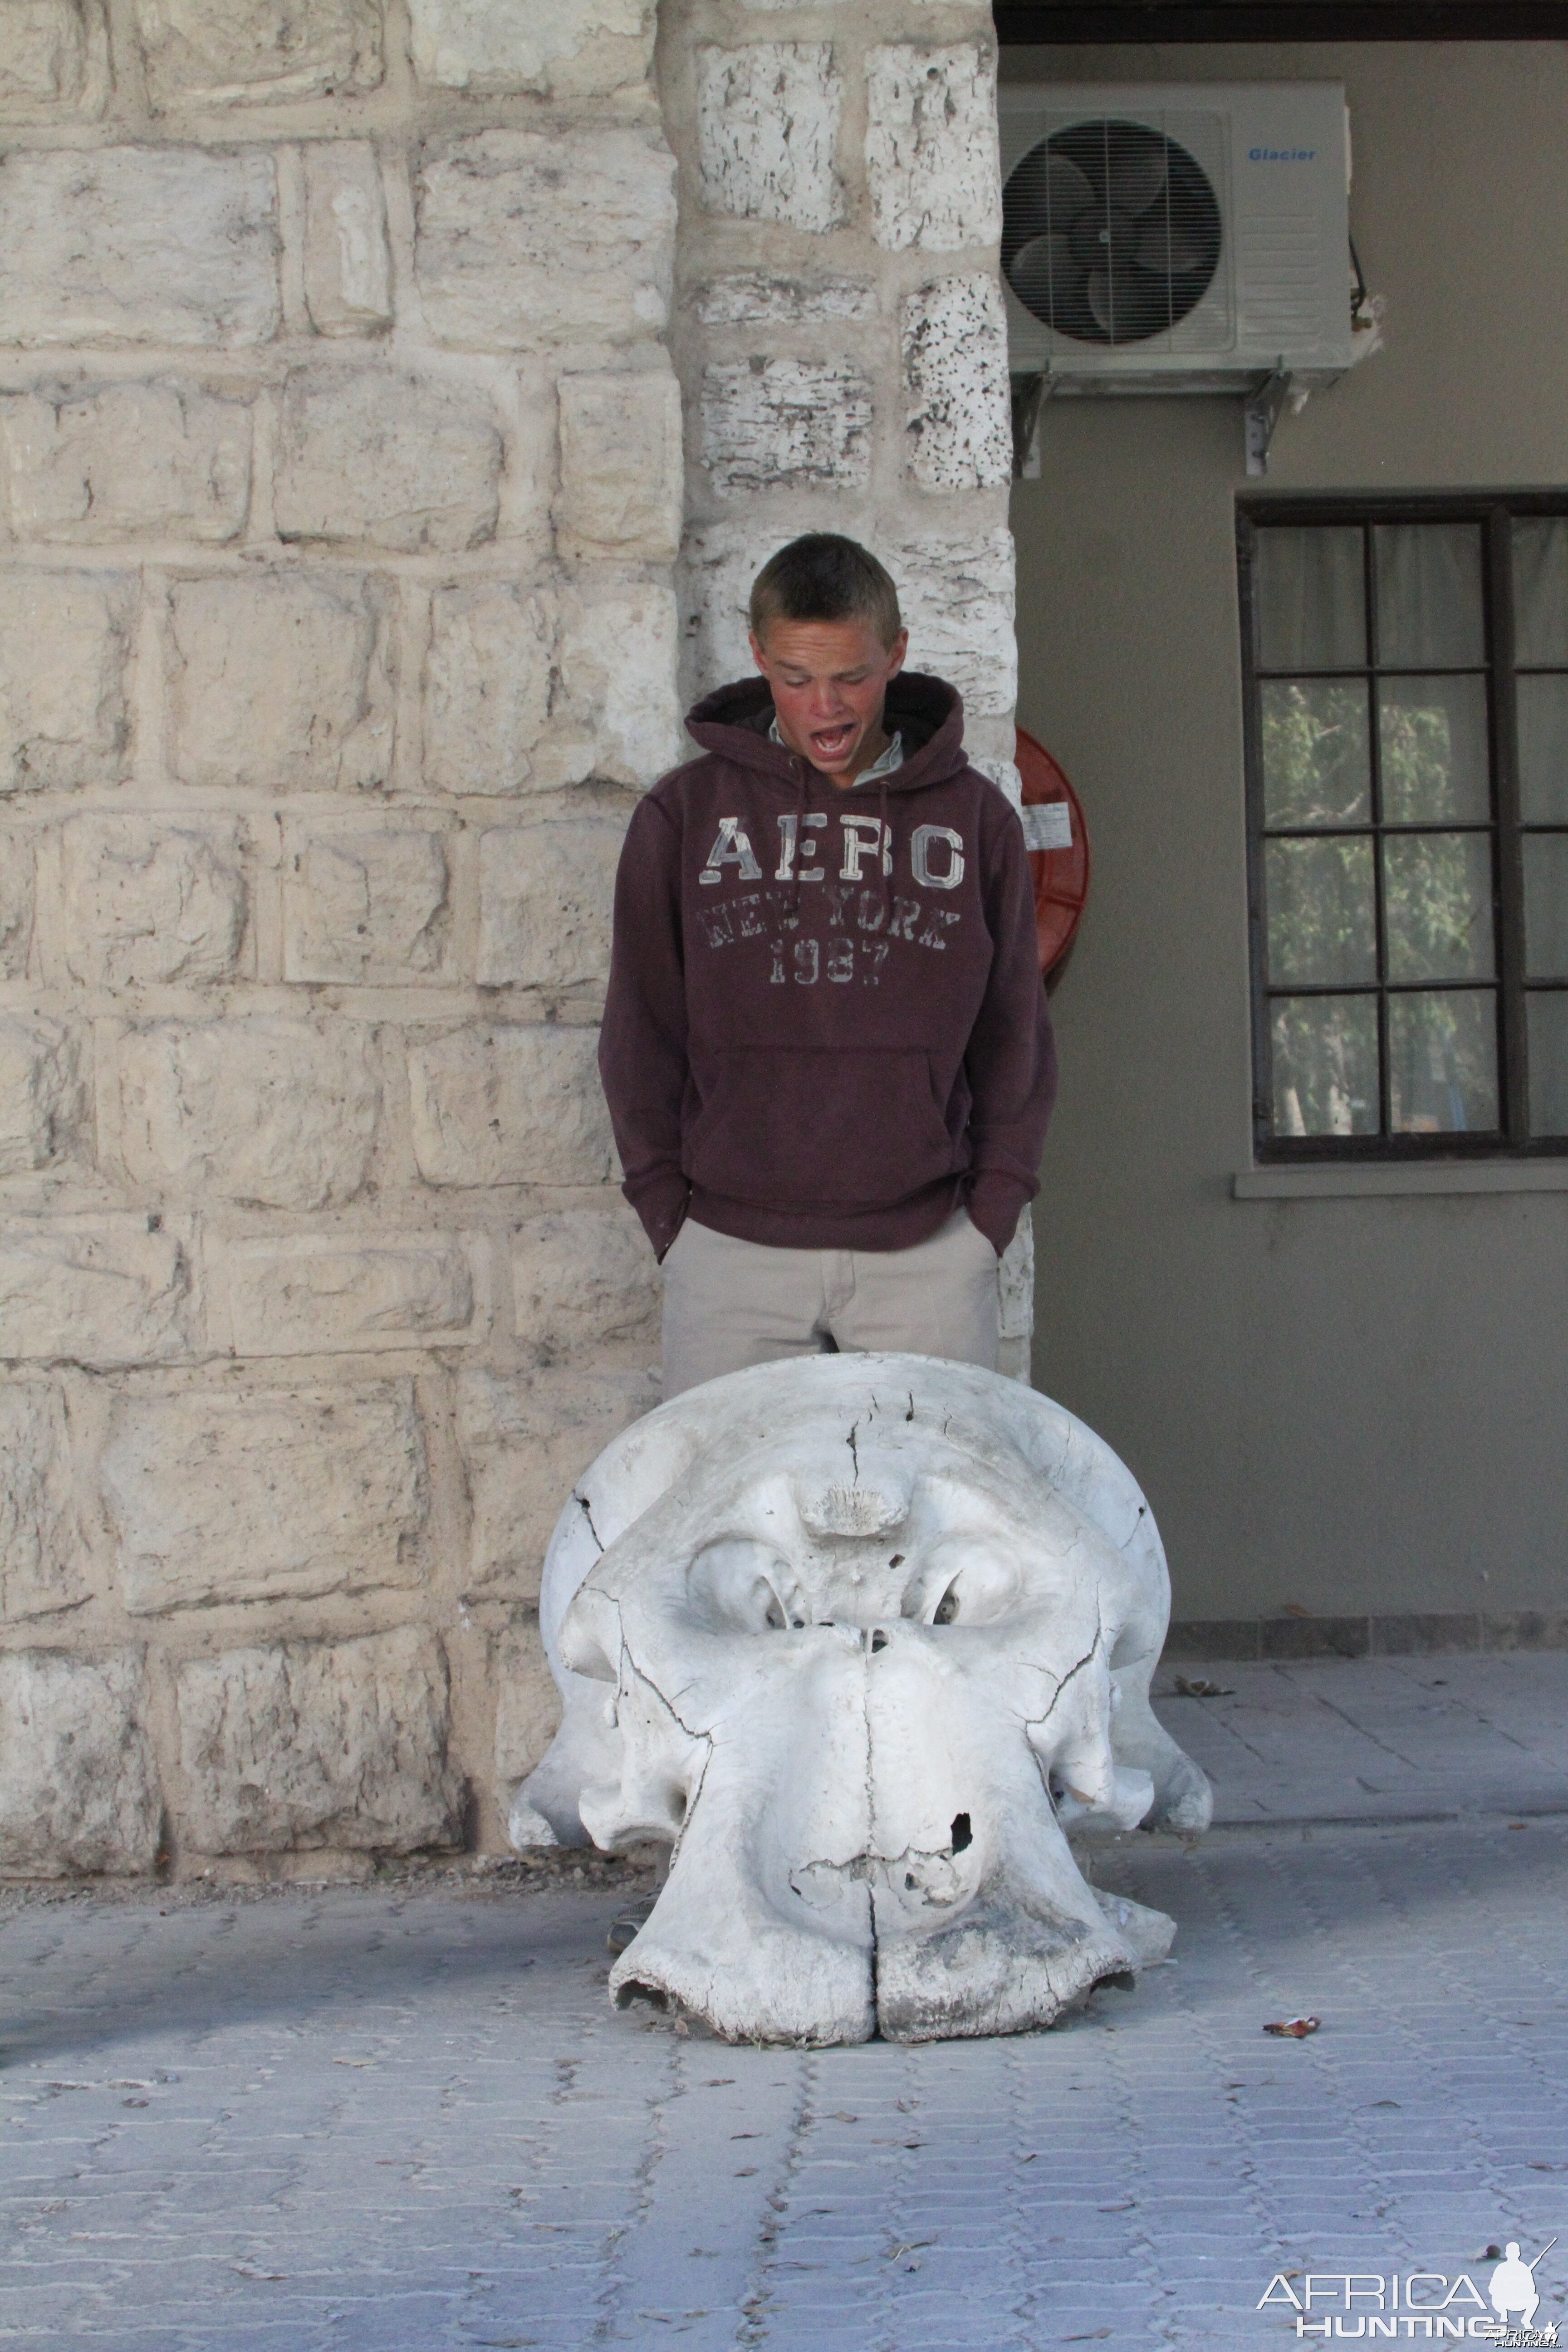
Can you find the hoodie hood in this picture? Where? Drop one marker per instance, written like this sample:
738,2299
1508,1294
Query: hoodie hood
926,712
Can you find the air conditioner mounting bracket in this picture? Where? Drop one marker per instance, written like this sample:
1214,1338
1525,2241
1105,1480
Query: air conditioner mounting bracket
1261,414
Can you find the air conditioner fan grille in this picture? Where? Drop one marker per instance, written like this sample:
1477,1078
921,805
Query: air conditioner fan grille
1110,232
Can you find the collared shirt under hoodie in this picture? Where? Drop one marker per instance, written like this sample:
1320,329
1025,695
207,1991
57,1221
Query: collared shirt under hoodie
825,1026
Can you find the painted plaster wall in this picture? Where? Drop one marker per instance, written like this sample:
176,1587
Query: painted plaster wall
340,491
1355,1406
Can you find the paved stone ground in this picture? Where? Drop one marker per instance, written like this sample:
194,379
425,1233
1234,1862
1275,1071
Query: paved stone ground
405,2116
1377,1738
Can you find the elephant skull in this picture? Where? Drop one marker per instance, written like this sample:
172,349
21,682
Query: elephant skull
862,1637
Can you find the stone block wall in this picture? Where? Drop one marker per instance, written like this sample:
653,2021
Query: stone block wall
841,343
339,492
363,488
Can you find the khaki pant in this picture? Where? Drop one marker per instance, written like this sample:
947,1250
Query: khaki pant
728,1303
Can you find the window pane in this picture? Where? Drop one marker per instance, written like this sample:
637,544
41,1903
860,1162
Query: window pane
1442,1062
1325,1066
1546,905
1321,926
1429,595
1432,735
1541,589
1311,599
1438,906
1546,1021
1542,705
1315,765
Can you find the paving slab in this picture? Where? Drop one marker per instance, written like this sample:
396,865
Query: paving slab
1376,1738
405,2116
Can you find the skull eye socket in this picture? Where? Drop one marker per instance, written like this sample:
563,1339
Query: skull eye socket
736,1586
962,1584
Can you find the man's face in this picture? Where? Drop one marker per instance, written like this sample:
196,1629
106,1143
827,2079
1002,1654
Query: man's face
829,680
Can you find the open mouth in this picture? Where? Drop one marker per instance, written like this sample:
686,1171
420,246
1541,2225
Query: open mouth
832,742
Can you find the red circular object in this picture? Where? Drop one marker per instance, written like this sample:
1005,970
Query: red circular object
1061,876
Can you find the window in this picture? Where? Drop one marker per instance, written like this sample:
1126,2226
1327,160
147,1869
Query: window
1406,674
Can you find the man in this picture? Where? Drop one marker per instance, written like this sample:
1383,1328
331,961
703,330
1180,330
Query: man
826,1047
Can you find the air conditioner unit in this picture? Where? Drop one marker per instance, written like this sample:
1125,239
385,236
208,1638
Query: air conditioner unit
1189,237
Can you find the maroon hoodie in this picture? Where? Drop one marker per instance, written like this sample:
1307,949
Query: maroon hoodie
825,1026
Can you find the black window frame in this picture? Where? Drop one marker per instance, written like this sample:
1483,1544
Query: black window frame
1495,511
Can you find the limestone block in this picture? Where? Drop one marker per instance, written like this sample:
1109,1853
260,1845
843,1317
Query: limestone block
621,483
509,1106
266,1109
1004,774
617,655
529,237
317,1294
152,898
803,423
957,598
15,904
78,1786
720,562
486,690
528,1705
368,906
932,156
43,1100
747,298
319,1744
1016,1284
387,459
545,896
525,1437
283,680
572,49
582,1275
245,52
138,245
526,692
54,59
955,376
114,1290
41,1549
112,461
219,1494
65,641
348,266
767,128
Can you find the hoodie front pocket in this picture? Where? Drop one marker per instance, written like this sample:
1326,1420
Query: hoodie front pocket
790,1131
